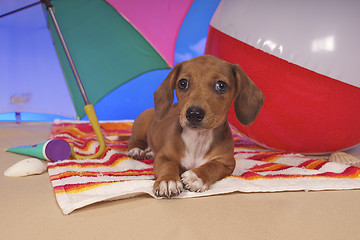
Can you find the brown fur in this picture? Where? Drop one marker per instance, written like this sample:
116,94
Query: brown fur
161,128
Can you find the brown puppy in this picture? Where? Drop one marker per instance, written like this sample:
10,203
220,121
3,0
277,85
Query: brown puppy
192,138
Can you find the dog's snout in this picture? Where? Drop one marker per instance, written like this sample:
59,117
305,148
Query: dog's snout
195,114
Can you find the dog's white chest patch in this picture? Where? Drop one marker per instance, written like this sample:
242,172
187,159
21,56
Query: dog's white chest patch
197,145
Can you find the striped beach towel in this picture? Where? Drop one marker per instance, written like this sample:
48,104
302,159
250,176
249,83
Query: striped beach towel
78,183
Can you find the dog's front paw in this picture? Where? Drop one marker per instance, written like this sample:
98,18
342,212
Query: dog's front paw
139,154
192,182
149,154
136,153
168,189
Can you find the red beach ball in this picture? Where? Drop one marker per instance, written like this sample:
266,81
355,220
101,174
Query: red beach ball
305,57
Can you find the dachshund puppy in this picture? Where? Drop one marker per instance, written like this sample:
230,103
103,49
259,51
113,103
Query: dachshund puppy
191,140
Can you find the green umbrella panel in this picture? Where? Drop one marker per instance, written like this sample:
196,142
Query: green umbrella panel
106,49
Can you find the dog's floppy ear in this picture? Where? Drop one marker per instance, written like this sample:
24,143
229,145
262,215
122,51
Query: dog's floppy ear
248,100
164,95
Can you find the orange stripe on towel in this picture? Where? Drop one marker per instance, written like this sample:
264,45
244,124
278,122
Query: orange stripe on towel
77,188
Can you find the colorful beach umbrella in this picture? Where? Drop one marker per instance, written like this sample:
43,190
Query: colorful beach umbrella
32,78
106,50
114,41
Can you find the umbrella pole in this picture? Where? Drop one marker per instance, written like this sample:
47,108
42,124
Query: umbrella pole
89,108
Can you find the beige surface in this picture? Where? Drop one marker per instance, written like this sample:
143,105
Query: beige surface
29,210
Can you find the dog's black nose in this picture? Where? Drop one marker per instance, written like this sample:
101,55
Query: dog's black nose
195,114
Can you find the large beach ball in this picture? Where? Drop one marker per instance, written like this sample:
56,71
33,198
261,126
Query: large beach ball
305,57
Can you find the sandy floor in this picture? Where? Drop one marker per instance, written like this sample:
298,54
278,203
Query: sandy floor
29,210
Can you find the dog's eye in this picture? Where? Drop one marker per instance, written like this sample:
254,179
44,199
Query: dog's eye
183,84
221,87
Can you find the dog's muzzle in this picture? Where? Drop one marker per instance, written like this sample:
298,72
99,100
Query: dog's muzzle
195,115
